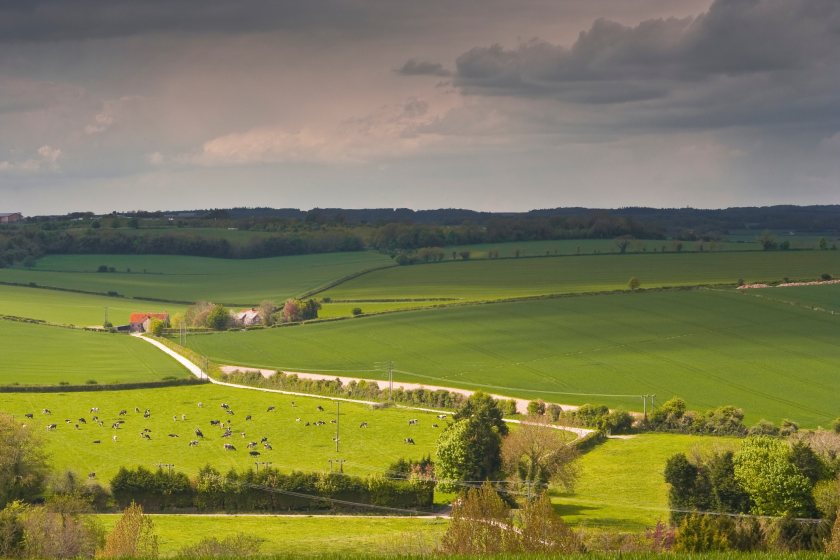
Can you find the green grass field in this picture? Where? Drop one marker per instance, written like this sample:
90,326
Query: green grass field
301,536
711,347
195,278
504,278
597,246
70,308
44,355
819,298
295,446
621,484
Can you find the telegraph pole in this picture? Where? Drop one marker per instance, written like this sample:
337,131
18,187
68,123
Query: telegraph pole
389,367
337,423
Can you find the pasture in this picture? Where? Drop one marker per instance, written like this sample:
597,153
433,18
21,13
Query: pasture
296,446
621,484
301,536
711,347
189,279
71,308
45,355
506,278
598,246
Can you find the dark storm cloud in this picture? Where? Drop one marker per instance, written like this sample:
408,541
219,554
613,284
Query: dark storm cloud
59,20
611,62
414,67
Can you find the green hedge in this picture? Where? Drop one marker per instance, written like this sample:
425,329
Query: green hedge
105,387
268,490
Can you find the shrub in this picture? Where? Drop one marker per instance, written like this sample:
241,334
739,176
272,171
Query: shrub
703,533
91,382
132,537
240,545
825,276
357,311
536,408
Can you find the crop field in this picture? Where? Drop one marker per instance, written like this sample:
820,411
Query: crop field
296,446
70,308
504,278
301,536
621,484
711,347
179,278
597,246
45,355
819,298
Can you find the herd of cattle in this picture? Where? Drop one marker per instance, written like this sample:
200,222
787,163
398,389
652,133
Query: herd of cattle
225,426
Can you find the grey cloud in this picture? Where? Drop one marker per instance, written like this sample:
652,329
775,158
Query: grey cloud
414,67
734,38
57,20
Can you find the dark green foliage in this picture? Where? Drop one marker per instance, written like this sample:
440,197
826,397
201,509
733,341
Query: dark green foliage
707,486
266,490
792,534
764,428
155,491
218,319
485,409
808,462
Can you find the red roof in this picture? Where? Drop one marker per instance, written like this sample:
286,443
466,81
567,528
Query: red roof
140,317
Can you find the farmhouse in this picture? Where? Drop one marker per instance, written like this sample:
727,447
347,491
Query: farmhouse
8,218
140,322
248,317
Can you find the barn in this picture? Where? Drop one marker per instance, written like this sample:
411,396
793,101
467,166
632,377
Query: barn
140,322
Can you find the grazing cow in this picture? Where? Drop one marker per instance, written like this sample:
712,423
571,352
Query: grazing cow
174,417
293,403
184,417
307,423
94,409
120,421
199,433
92,475
434,425
52,427
263,439
254,453
243,434
332,421
146,436
441,416
123,412
77,426
267,446
320,408
29,415
215,422
94,418
270,409
193,443
82,421
230,447
227,433
252,445
46,411
200,404
147,430
229,411
147,414
115,425
67,420
225,406
247,418
97,441
114,437
297,419
363,425
174,435
409,440
412,422
137,409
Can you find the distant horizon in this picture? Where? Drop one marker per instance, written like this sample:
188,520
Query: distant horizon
396,208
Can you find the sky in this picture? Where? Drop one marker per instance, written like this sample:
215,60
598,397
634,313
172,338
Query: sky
496,105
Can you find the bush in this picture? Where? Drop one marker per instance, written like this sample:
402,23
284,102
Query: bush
825,276
357,311
132,537
536,408
239,545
